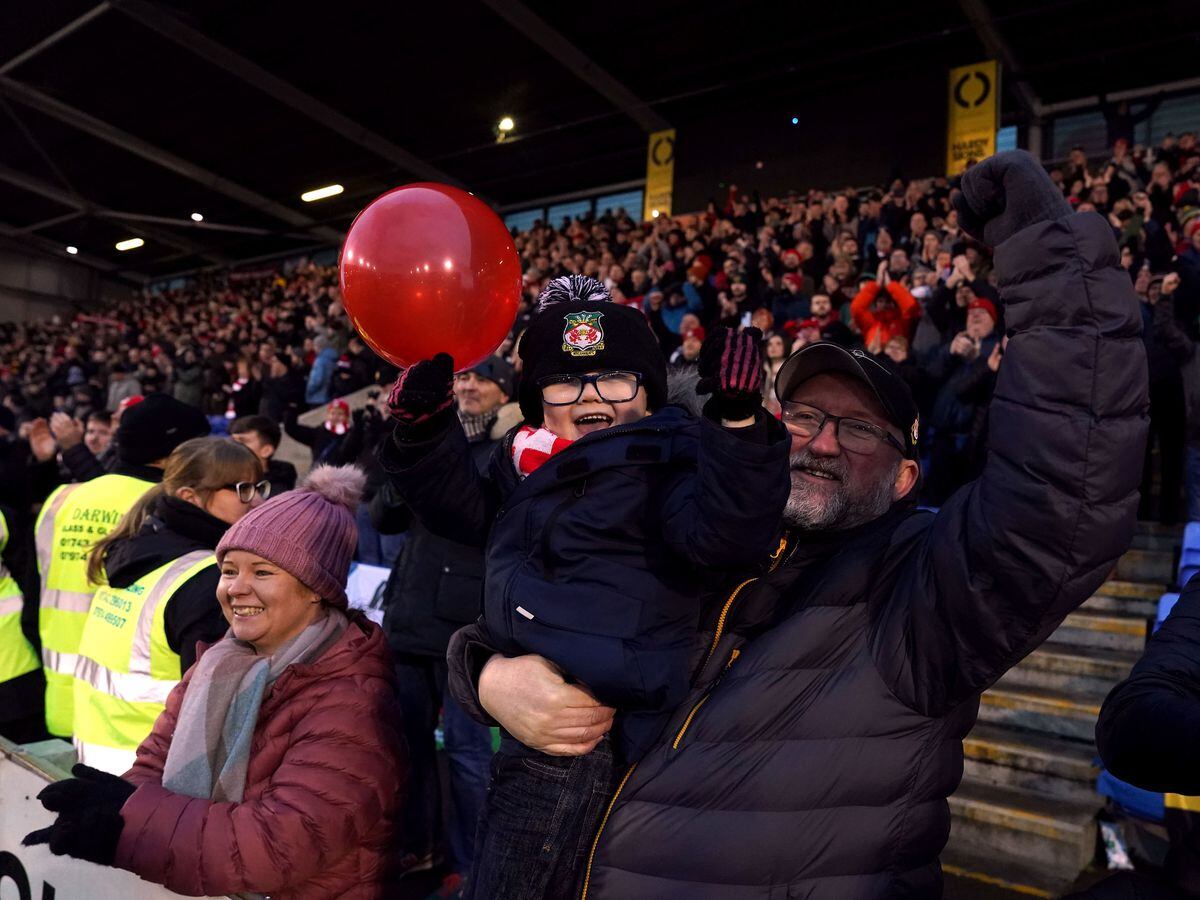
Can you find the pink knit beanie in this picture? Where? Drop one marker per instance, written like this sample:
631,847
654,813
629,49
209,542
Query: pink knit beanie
308,532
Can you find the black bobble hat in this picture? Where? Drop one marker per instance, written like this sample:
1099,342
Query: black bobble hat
150,430
578,329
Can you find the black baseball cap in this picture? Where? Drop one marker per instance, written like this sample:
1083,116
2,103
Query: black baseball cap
498,370
889,388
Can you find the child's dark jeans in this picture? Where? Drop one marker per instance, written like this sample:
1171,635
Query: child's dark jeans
537,827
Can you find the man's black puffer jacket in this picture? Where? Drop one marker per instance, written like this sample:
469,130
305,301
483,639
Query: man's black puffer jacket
816,751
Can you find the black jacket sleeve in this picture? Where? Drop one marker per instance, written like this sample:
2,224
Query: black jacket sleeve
728,512
82,463
440,482
469,651
1009,555
389,513
1149,728
193,614
302,433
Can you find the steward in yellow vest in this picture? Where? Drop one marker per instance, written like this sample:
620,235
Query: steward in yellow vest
157,597
76,516
21,682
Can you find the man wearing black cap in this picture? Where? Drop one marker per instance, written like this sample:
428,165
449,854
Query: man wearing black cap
823,732
77,515
434,589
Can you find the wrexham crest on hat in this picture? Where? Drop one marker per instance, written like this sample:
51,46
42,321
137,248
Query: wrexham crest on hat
583,334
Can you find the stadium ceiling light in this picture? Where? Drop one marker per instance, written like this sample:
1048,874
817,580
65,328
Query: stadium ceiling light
795,120
654,213
196,217
72,250
330,190
130,244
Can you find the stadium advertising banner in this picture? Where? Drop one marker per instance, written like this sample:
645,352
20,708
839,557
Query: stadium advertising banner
660,174
33,873
974,114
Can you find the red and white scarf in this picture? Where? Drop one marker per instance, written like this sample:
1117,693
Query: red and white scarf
533,446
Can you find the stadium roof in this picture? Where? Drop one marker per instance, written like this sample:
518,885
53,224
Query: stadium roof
123,118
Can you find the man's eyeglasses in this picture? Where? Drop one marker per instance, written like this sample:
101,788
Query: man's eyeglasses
855,435
247,489
613,387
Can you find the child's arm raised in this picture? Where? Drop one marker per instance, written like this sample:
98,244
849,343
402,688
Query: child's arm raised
428,458
729,511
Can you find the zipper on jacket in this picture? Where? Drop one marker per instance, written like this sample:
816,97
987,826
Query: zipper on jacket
776,558
587,873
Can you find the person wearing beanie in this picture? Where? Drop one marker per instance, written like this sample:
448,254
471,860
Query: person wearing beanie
277,765
82,514
597,514
325,441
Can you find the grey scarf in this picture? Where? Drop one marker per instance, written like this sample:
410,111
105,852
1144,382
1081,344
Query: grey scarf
210,751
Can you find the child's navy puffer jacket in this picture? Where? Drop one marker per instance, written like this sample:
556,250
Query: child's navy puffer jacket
596,560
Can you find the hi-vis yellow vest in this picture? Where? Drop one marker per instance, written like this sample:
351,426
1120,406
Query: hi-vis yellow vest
73,518
126,667
1179,801
16,653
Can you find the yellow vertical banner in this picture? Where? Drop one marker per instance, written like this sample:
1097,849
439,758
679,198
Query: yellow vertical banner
974,114
660,174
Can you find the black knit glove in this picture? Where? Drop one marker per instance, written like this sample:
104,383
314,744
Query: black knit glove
422,391
731,369
89,819
1006,193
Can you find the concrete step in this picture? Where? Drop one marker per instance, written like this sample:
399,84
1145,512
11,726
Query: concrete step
1111,631
1159,530
1050,766
1068,668
1129,606
1145,590
1000,874
1063,714
1147,565
1157,542
1056,835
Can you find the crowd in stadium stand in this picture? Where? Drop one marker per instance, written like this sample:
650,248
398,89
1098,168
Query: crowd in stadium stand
886,269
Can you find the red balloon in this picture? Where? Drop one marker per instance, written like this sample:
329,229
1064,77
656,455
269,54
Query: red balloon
427,268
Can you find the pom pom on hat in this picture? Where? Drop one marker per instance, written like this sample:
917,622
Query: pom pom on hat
567,288
341,485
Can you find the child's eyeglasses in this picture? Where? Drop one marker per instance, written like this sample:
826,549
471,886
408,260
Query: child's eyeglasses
247,489
612,387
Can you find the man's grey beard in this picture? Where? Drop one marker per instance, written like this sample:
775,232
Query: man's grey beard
810,508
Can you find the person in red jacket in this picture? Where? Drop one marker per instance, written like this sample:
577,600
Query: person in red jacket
277,766
882,316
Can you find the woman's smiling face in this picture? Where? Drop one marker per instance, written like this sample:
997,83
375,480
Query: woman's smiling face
264,604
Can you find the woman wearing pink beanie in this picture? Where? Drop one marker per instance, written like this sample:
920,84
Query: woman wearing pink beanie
277,765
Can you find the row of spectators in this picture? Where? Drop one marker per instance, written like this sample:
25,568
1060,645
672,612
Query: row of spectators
888,270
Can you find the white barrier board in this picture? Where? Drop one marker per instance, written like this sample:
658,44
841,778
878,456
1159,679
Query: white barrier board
34,873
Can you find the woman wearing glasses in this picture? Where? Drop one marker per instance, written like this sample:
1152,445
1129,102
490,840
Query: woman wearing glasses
157,598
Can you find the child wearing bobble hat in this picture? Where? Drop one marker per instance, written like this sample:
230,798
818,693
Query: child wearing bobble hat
598,513
277,765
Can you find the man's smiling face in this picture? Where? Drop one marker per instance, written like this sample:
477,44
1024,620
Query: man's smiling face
831,487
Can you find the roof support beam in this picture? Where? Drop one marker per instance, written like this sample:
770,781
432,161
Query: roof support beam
50,223
989,35
76,118
172,28
82,206
48,247
534,27
50,41
200,226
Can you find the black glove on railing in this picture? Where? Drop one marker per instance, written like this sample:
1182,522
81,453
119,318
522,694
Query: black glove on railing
89,819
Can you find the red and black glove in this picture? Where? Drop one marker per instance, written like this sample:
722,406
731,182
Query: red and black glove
422,391
731,369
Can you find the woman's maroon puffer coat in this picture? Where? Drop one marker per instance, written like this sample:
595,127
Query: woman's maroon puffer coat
327,765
